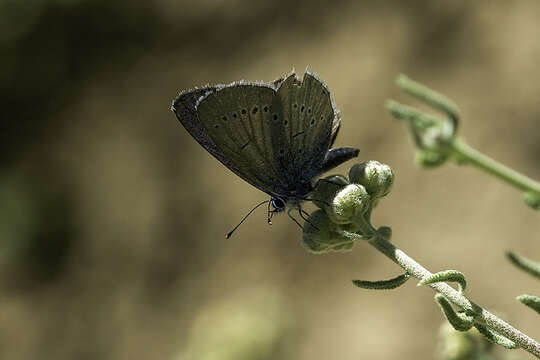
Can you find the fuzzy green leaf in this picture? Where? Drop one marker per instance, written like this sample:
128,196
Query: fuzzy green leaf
428,132
412,114
429,159
529,266
531,301
382,284
459,321
532,199
429,96
495,338
446,276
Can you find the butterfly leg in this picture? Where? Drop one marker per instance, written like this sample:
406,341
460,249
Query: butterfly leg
292,217
305,216
303,213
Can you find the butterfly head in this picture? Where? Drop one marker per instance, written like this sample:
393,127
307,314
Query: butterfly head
278,204
291,198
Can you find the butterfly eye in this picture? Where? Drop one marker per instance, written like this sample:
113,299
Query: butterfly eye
275,117
302,108
278,204
285,122
234,115
244,111
309,110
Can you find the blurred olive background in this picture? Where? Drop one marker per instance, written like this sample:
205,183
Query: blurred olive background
112,218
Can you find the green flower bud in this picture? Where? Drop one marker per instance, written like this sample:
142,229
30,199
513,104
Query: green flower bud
438,137
321,235
326,190
351,201
462,345
385,232
429,159
377,178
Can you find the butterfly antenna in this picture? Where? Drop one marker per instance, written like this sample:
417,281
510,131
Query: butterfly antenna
244,218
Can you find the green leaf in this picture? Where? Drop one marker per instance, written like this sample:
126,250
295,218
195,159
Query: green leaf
446,276
459,321
495,338
525,264
403,112
429,159
531,301
429,96
532,199
382,284
427,131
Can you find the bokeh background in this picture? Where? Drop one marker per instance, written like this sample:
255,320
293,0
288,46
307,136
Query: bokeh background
112,218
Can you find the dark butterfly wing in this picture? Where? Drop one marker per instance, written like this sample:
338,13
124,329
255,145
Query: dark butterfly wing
184,107
242,121
275,136
336,125
335,157
310,122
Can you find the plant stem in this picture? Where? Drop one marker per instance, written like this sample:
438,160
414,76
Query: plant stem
480,315
481,161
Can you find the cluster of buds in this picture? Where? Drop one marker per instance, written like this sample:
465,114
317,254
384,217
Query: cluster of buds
433,135
345,207
462,345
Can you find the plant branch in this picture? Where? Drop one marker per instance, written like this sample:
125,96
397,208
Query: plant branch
483,162
481,315
437,140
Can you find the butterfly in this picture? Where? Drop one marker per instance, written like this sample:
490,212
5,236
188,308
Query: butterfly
276,136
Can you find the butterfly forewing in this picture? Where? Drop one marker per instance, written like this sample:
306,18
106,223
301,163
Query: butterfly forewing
309,122
241,119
